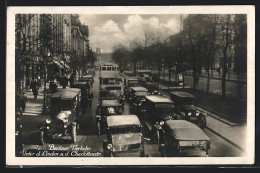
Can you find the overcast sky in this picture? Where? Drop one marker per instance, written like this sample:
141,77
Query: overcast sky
108,30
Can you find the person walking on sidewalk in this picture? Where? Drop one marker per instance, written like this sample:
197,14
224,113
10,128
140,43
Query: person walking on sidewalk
197,81
35,89
90,98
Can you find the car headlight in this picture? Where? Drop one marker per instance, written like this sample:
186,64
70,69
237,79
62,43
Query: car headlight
189,113
65,126
162,123
197,114
48,121
109,146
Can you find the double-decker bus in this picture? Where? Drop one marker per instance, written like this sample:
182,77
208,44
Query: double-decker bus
109,76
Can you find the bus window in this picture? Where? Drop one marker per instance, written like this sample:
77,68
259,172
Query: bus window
117,69
104,69
105,81
113,68
108,68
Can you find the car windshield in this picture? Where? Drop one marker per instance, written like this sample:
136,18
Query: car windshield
133,83
153,87
126,141
164,107
188,101
141,93
113,88
110,102
68,105
128,129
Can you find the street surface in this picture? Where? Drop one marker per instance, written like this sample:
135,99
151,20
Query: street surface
87,135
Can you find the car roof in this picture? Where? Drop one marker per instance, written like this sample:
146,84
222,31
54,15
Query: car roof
182,94
158,99
87,76
66,93
122,120
152,83
184,130
133,79
80,83
139,88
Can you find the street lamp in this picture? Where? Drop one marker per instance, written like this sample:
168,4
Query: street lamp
45,81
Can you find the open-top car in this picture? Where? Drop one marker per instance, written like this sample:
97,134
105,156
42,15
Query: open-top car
183,139
152,87
185,108
107,106
65,113
158,110
124,137
136,99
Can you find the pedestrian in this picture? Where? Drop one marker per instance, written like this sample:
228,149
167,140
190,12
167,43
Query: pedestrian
196,81
27,83
23,101
71,80
35,89
90,98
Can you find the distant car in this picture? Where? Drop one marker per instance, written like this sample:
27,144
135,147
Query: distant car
124,137
185,108
85,88
87,78
158,110
131,82
116,91
183,139
152,87
65,113
136,99
107,106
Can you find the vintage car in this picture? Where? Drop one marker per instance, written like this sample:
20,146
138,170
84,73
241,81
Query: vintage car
85,88
117,92
158,110
183,139
107,106
144,76
131,82
65,112
124,137
185,108
152,87
87,78
136,99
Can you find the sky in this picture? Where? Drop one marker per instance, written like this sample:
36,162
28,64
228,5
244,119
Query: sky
109,30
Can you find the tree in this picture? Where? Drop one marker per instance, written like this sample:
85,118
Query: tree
121,56
226,31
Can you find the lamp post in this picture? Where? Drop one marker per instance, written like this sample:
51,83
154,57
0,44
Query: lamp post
44,109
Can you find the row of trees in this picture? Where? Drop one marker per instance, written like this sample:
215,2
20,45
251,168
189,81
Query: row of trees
209,41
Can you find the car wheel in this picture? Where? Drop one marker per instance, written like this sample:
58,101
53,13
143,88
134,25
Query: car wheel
42,140
73,133
202,122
